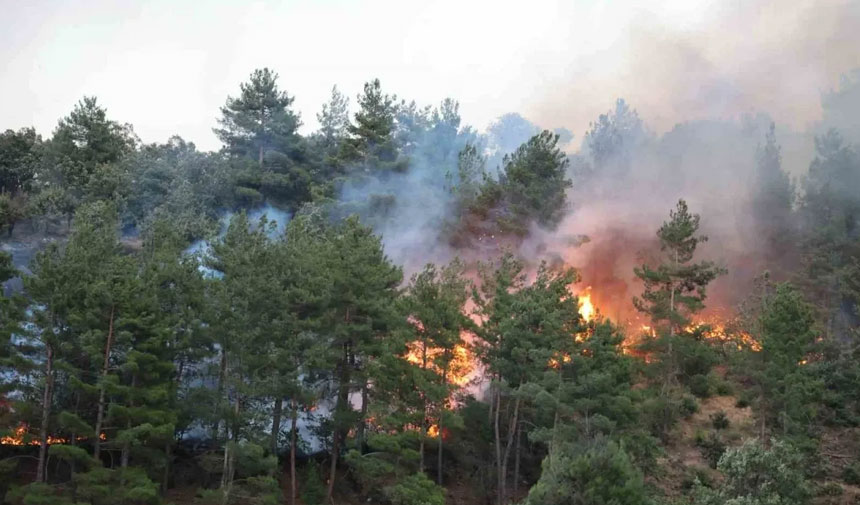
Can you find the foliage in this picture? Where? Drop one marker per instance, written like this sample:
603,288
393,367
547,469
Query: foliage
596,474
756,474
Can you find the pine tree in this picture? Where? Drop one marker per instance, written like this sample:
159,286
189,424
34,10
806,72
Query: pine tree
675,290
259,120
773,200
242,300
360,313
371,144
613,139
20,153
531,187
434,305
788,390
830,208
525,329
83,141
176,338
298,350
333,120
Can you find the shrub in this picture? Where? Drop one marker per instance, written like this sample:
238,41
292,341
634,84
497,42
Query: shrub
851,474
313,491
830,489
701,386
689,406
723,388
720,420
712,447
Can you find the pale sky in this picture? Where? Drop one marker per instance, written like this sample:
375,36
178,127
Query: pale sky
167,66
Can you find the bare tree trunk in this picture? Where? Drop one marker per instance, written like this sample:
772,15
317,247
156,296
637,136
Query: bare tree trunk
423,437
553,448
222,377
47,399
276,425
510,442
362,423
441,438
293,444
229,469
517,461
101,409
499,476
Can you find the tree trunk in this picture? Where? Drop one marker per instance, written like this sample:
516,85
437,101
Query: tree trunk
553,448
101,409
165,478
498,441
439,425
423,438
293,444
339,432
510,442
229,469
362,423
126,447
47,399
672,304
222,377
276,425
517,460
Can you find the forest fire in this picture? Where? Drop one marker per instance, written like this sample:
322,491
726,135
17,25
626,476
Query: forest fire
23,437
586,308
460,371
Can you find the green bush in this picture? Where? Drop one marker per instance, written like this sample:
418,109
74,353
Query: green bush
723,387
720,420
851,474
755,475
415,489
696,476
830,489
701,386
689,406
712,447
313,491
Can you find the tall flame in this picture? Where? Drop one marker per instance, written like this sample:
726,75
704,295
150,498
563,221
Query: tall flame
586,308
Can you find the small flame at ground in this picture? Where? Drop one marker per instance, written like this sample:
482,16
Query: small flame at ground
22,437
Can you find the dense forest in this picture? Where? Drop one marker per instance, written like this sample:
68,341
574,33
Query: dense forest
401,309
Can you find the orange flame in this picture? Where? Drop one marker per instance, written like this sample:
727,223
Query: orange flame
460,369
586,308
21,434
22,437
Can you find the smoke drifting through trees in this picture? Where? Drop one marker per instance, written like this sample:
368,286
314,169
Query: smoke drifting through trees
732,171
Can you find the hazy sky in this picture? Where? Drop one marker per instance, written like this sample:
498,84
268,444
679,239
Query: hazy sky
166,66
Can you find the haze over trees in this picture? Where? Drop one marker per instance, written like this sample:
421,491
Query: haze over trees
391,310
